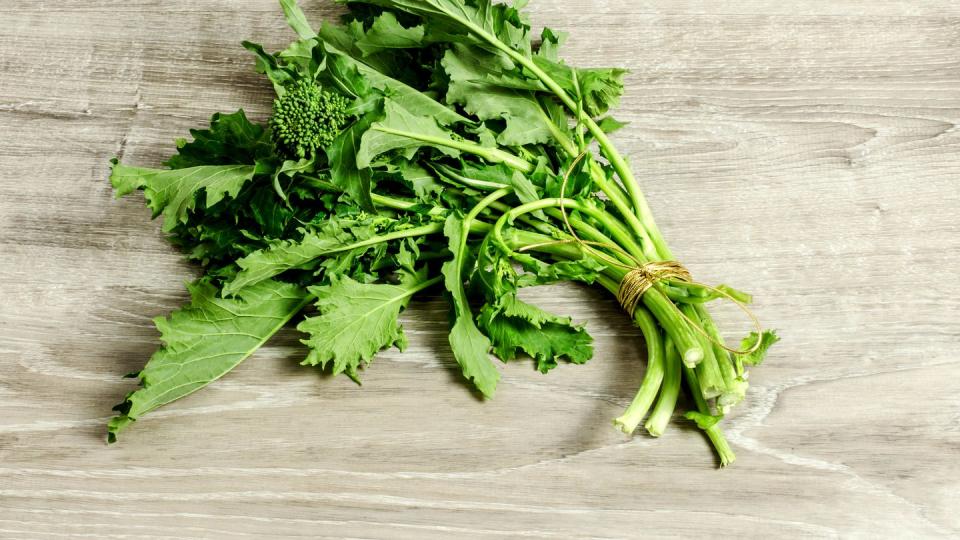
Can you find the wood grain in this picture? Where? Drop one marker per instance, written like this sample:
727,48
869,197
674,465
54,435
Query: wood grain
806,151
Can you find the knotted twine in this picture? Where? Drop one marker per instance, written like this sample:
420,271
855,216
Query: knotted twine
642,276
639,280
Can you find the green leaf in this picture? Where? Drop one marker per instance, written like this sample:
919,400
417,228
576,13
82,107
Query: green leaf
291,168
356,321
270,214
514,325
269,66
343,73
231,140
468,68
460,20
470,347
545,337
206,339
610,124
296,19
344,173
767,339
550,42
387,33
424,185
407,97
539,272
301,54
173,192
481,23
600,88
334,236
524,189
402,130
557,115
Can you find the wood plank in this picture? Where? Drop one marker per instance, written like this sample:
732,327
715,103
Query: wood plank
806,151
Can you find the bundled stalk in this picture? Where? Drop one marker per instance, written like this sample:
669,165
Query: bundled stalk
425,144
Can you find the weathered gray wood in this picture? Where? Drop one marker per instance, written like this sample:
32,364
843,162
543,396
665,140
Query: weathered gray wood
806,151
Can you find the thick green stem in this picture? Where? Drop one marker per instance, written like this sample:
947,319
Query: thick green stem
662,308
612,191
615,227
668,314
468,221
708,371
487,201
641,403
591,233
667,402
621,235
719,442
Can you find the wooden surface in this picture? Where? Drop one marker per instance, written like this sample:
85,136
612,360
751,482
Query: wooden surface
806,151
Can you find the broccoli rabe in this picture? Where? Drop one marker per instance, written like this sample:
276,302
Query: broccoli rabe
306,118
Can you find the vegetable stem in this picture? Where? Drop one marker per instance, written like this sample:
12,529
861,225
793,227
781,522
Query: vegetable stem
494,155
667,402
641,403
713,431
708,371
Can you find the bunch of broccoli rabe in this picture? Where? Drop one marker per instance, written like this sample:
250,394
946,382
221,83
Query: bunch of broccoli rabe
422,144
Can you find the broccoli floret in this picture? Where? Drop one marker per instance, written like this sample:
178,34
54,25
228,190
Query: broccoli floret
306,118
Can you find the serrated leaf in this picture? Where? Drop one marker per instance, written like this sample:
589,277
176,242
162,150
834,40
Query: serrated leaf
457,20
173,192
356,321
231,140
334,236
469,68
206,339
407,97
600,88
547,338
270,213
767,339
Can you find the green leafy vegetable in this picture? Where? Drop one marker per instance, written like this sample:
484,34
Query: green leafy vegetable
470,346
420,143
356,320
755,358
403,130
306,118
205,340
172,192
